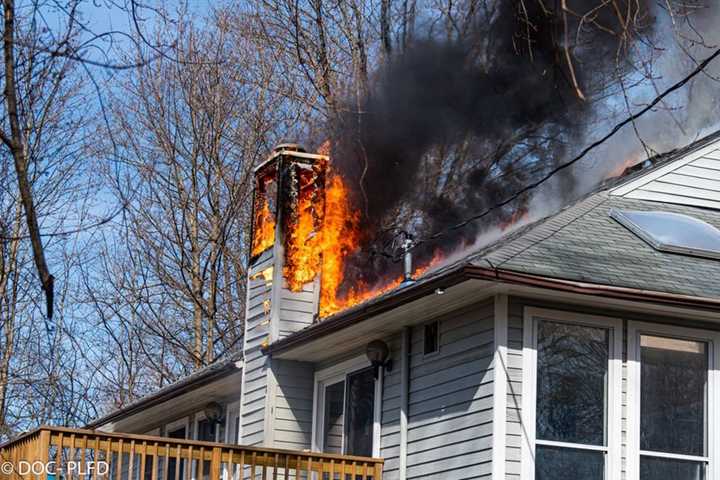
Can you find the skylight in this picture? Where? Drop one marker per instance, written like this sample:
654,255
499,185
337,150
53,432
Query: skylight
672,232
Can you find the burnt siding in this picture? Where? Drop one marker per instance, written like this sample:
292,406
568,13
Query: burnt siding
451,399
293,404
255,382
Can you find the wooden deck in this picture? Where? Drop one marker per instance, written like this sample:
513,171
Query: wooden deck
94,455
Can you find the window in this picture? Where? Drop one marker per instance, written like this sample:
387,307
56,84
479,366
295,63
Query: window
572,363
176,429
205,430
431,338
347,419
671,391
672,232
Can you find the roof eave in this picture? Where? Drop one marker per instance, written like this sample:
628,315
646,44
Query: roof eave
467,272
166,394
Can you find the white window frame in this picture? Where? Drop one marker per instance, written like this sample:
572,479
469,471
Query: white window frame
231,409
529,388
338,373
712,339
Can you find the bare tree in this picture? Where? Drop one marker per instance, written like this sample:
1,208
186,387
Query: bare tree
169,290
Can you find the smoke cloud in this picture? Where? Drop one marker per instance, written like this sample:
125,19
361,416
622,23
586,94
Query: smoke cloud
451,128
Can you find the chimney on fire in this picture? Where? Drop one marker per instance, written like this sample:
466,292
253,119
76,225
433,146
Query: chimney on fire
289,176
289,181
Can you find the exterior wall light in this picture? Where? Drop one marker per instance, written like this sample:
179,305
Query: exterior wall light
214,412
378,353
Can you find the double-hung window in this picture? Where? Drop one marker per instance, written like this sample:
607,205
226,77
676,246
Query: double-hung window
347,412
672,397
572,367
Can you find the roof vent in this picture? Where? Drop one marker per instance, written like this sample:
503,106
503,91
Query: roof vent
672,232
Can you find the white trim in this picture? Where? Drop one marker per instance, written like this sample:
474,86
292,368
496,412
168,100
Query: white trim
342,368
500,379
404,400
574,446
529,386
377,413
232,409
657,173
674,456
183,422
712,339
335,374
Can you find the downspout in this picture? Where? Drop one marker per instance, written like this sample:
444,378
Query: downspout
404,401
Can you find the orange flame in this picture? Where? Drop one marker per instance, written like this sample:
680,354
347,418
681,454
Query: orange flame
340,237
326,231
361,293
264,221
303,250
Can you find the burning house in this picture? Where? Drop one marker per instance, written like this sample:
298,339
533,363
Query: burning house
583,345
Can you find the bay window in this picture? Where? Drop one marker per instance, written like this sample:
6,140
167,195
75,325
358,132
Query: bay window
571,377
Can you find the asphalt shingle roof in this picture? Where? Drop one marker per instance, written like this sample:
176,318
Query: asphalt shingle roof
582,243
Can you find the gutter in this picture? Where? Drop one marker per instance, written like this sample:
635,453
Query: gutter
184,385
461,273
595,289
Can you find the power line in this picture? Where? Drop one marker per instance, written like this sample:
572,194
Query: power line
700,67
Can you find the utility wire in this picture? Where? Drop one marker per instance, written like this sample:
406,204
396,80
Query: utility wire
700,67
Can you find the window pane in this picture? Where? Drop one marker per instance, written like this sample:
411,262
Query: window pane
572,366
553,463
431,338
360,413
672,395
206,431
652,468
333,423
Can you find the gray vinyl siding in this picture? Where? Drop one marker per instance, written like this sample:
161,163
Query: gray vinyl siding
696,183
297,309
450,399
514,391
286,388
255,381
293,404
390,420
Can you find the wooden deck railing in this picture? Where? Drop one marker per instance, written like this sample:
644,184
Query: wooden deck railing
54,453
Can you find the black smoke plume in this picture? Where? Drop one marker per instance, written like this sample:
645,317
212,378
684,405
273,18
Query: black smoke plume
500,102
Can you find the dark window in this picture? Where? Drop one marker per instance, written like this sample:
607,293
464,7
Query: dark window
673,384
360,413
333,423
432,331
206,430
173,462
568,464
572,371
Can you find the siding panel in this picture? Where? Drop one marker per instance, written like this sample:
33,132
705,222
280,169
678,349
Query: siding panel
450,402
